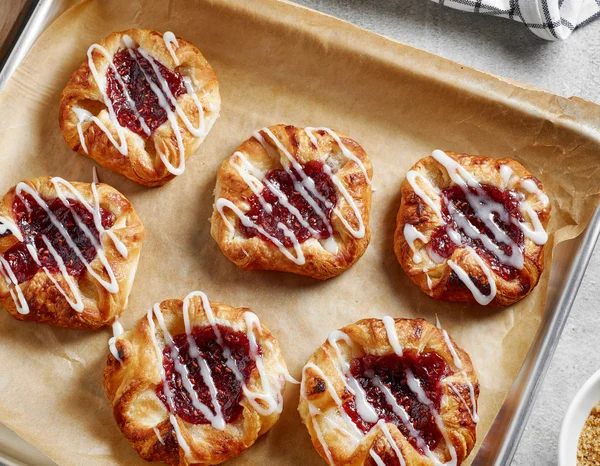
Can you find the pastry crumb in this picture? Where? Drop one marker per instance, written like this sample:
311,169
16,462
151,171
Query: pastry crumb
588,447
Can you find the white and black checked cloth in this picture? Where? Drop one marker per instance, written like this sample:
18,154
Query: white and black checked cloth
549,19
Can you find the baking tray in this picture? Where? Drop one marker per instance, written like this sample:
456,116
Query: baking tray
502,440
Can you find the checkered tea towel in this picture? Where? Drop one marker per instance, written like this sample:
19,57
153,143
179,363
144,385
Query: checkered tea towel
549,19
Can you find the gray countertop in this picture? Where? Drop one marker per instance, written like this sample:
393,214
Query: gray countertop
568,68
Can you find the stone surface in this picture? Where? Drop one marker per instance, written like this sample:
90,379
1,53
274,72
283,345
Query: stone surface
568,68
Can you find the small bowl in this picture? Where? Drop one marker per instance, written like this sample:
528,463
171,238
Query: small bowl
578,412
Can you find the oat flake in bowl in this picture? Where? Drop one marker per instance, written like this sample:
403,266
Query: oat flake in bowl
588,447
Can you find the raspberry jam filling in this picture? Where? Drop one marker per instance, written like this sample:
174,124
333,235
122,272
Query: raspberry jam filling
390,371
229,388
281,213
133,72
507,220
35,224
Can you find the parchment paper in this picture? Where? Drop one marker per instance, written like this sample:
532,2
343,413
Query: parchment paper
278,63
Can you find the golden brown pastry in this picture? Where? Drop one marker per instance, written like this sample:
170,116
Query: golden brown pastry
140,104
389,392
472,228
294,200
68,252
195,382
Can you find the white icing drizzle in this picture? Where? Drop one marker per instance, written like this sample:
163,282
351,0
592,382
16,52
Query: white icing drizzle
515,259
354,432
15,291
307,184
283,370
220,205
415,386
411,177
455,170
429,281
83,116
360,232
303,184
506,173
112,286
94,210
117,329
466,279
473,411
532,187
101,81
386,431
363,407
77,305
271,393
458,363
165,97
158,436
485,209
390,329
216,419
8,226
376,458
166,388
347,152
411,234
398,409
314,411
119,245
538,235
171,40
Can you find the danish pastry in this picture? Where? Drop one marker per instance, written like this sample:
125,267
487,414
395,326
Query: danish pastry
68,252
195,382
140,104
294,200
472,228
390,391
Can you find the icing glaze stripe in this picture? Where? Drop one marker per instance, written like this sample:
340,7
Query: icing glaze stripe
458,363
303,184
271,389
347,152
413,384
117,329
165,97
77,304
485,210
167,390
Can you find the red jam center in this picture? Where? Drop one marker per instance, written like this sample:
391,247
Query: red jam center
229,388
428,368
35,224
280,213
133,72
506,217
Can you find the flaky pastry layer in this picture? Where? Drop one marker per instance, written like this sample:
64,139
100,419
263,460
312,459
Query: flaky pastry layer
255,253
141,163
